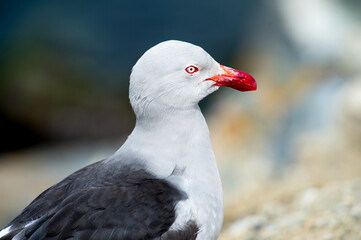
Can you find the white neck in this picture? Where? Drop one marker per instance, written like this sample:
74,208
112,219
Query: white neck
177,138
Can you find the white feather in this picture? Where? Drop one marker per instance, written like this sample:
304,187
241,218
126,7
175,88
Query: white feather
5,231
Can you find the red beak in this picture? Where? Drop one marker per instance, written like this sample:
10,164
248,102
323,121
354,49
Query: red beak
233,78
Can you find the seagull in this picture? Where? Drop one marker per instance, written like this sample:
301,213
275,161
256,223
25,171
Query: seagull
163,182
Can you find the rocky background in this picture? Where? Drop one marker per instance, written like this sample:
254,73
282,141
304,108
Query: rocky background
289,153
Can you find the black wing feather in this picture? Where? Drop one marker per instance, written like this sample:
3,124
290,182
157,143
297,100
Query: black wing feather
102,201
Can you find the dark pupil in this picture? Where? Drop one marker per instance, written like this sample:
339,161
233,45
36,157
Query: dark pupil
191,69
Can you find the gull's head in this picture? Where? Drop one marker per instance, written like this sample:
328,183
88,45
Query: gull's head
175,74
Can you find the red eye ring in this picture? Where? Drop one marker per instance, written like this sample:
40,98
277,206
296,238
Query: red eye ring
191,69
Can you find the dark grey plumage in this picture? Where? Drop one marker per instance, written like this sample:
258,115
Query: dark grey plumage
104,201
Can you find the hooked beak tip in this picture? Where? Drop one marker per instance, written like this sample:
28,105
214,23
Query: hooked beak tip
235,79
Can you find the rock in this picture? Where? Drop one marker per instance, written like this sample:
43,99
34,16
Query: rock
329,212
308,198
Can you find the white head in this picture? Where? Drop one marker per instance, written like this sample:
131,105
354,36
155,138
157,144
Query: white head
175,75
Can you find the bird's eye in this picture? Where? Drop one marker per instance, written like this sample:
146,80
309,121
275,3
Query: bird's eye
191,69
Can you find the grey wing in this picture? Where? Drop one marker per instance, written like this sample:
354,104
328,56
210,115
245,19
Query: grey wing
98,203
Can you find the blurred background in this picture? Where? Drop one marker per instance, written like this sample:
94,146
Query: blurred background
289,153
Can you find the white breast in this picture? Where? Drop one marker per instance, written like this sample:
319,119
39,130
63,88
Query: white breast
204,205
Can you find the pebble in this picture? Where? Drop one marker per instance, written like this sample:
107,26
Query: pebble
247,224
